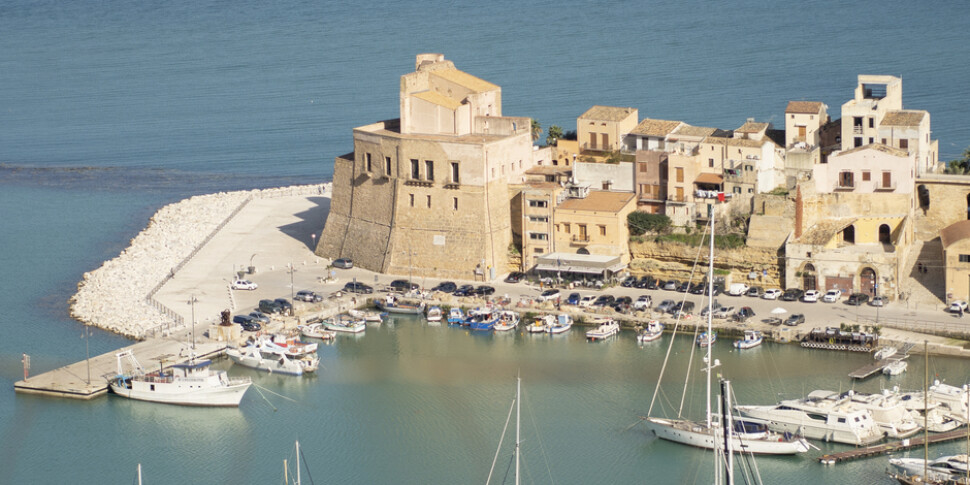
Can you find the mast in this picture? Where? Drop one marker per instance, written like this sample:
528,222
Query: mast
710,310
926,411
139,474
727,426
298,462
518,407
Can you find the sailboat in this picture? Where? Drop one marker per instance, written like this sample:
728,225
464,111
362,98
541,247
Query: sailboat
748,436
517,404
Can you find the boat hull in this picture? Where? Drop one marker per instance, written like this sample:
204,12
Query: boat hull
271,365
405,310
701,436
228,396
810,430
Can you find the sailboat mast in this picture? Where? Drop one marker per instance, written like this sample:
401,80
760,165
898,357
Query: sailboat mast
926,411
139,474
518,406
710,310
298,462
728,429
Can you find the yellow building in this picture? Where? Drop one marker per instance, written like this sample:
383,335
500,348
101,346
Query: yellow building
956,257
603,128
594,223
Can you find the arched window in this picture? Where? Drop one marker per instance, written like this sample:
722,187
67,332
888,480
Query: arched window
582,251
884,235
808,277
848,235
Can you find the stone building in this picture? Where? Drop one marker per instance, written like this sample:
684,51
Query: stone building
604,128
594,222
428,193
651,181
955,240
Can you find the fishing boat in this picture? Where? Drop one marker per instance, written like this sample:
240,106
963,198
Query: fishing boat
193,383
706,339
289,346
653,331
885,353
368,316
434,314
260,357
316,330
541,324
345,324
507,320
752,339
895,368
393,304
561,324
605,328
482,319
455,316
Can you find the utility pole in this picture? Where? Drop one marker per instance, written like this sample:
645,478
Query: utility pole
192,301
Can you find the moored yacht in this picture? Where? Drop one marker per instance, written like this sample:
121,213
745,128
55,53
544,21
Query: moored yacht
752,339
653,331
345,324
271,360
192,383
541,324
561,324
817,417
941,469
605,327
888,412
507,320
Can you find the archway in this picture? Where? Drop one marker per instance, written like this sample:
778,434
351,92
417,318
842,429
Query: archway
968,207
848,235
582,251
867,281
808,277
885,236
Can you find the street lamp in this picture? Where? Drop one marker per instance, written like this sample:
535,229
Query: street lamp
192,302
291,271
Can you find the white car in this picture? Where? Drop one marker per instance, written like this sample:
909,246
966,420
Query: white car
642,303
738,289
244,285
587,301
811,296
832,296
771,294
957,306
549,295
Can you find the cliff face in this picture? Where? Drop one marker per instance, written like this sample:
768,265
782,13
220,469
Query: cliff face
670,260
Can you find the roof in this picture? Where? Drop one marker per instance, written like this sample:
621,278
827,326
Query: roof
438,99
600,201
462,78
736,142
688,130
548,170
708,178
806,107
607,113
752,127
822,232
957,231
896,152
579,263
649,127
903,118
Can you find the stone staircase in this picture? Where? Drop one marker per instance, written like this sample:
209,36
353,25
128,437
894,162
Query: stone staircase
928,287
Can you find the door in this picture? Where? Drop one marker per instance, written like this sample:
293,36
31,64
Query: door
582,232
606,141
801,133
867,282
887,180
843,283
592,140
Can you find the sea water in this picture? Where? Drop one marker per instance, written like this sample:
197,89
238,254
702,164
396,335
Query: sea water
109,110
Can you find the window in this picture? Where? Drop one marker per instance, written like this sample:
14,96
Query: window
429,169
537,250
857,141
680,174
904,144
367,158
872,122
493,172
538,219
887,180
606,140
411,197
845,179
454,201
565,227
538,236
870,140
710,162
387,166
503,169
965,258
602,230
538,203
415,170
454,172
429,201
737,190
865,176
883,141
643,167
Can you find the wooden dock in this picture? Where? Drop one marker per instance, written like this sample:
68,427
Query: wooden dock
72,380
869,451
868,370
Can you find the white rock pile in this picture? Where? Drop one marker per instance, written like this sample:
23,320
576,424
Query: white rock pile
115,296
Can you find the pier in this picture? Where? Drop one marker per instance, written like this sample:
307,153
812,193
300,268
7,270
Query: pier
895,446
868,370
78,381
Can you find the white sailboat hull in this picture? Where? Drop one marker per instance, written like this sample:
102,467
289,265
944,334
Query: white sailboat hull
807,428
701,436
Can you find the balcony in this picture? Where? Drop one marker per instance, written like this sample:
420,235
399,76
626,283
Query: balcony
891,186
419,183
846,185
580,239
857,130
677,199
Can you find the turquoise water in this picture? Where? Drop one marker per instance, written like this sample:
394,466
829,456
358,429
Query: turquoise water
110,109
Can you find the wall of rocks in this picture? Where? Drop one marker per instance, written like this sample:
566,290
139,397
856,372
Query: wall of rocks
667,260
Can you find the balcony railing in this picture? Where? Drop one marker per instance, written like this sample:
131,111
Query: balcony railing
579,239
890,187
845,185
857,130
419,182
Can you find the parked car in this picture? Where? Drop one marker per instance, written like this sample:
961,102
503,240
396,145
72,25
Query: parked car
771,294
684,308
587,301
724,312
308,296
244,285
549,295
643,302
514,277
484,290
715,306
684,287
247,323
792,294
755,291
653,283
697,289
240,319
285,306
832,296
270,307
743,314
259,317
811,296
795,319
718,288
857,299
445,287
671,285
358,287
604,300
343,263
737,289
628,281
573,299
403,286
644,282
464,290
665,306
957,307
879,301
623,304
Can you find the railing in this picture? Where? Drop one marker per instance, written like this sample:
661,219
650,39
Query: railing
580,239
857,130
891,186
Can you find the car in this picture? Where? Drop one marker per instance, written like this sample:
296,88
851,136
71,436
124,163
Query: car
957,307
698,289
624,301
464,290
343,263
653,283
683,309
737,289
684,287
665,306
403,286
251,326
811,296
573,299
792,294
484,290
587,301
671,285
832,296
755,291
269,307
643,302
244,285
643,282
285,305
857,299
715,306
308,296
604,300
357,287
629,281
241,319
771,294
718,288
549,295
795,319
445,287
878,301
514,277
743,314
724,312
259,317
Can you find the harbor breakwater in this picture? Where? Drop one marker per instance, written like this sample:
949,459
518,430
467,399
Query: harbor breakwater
118,296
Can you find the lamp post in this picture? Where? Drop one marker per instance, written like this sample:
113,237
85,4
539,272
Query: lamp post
191,302
87,350
291,271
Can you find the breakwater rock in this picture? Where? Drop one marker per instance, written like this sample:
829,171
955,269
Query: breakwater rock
118,296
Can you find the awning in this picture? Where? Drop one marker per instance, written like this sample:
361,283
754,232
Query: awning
709,178
579,263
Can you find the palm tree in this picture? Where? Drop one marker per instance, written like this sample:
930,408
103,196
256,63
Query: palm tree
555,133
536,130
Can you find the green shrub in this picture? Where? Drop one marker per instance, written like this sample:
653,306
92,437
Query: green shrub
642,222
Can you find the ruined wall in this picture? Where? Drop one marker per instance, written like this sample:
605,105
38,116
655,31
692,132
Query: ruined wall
949,203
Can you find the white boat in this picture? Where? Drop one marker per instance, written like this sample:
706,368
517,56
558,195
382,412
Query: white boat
561,324
706,339
455,316
316,330
507,320
434,314
653,331
888,412
345,324
885,353
819,418
752,339
191,383
260,358
895,368
290,346
367,316
541,324
952,467
392,304
605,328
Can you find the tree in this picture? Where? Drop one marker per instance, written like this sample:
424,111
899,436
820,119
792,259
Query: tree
960,166
642,222
536,130
555,133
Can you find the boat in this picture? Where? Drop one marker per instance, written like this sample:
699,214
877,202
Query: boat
507,320
561,324
345,324
541,324
952,468
481,319
290,346
653,331
316,330
261,357
706,338
605,328
713,433
434,314
752,339
888,412
885,353
392,304
368,316
818,417
895,368
455,316
193,383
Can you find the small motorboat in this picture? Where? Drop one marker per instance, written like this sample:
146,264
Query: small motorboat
561,324
261,357
706,339
368,316
752,339
605,328
455,316
316,330
895,368
653,331
434,314
541,324
346,324
507,320
885,353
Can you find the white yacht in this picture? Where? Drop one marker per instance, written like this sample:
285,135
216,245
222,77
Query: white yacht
818,417
895,368
605,328
561,324
191,383
273,361
888,412
941,469
291,346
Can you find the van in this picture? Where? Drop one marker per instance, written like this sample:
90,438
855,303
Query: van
737,289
